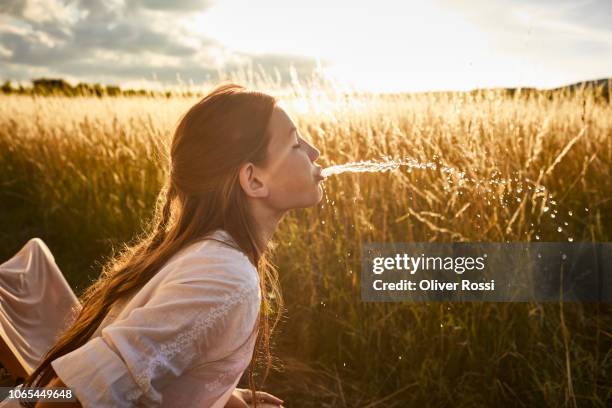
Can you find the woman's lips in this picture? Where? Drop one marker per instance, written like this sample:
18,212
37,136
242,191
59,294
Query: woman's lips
319,175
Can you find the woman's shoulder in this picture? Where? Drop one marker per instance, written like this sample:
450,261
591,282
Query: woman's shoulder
214,258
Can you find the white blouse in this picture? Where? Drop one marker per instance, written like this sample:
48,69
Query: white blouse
183,340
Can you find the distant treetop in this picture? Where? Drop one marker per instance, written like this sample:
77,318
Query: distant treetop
53,86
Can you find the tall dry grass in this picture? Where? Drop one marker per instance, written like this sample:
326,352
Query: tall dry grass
83,174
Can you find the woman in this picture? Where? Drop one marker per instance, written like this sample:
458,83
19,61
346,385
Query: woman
174,320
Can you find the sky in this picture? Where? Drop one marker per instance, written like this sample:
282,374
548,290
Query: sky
382,45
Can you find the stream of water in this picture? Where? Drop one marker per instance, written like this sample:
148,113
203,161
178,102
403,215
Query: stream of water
512,185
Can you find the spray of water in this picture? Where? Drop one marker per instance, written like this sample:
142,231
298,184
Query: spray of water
515,184
371,166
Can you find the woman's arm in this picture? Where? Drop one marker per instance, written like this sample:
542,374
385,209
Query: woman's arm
242,398
56,382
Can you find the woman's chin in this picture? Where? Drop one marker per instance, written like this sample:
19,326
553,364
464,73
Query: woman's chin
320,193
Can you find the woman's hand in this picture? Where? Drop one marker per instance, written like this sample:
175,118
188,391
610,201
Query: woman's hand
242,398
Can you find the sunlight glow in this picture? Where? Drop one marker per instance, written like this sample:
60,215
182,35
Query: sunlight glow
411,46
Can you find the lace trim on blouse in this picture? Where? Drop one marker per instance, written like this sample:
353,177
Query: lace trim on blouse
168,350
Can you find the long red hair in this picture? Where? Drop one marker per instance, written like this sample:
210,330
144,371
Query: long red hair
224,130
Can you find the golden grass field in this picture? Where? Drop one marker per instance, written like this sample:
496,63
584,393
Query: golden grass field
83,174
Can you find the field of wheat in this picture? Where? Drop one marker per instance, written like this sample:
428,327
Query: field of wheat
83,174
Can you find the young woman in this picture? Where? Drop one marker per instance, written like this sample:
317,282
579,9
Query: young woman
174,320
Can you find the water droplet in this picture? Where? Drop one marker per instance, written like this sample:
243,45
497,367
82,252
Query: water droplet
586,209
570,213
537,237
563,256
552,215
559,229
546,209
570,239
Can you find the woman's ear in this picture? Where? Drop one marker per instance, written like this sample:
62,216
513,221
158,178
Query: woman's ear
252,182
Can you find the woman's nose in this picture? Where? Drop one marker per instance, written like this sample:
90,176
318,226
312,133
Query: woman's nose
313,152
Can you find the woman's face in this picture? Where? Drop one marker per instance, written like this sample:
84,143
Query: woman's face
292,178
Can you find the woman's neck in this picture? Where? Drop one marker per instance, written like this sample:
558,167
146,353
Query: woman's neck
267,220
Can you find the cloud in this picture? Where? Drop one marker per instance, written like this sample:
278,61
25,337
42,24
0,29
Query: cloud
178,6
554,27
115,41
561,41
